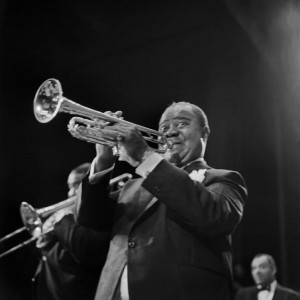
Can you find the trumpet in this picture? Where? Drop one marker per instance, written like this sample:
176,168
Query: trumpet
33,219
49,100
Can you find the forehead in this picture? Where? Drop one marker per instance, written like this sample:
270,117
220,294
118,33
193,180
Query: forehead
74,178
260,260
177,111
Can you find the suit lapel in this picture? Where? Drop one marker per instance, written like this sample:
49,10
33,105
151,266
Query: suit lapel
150,201
278,294
134,200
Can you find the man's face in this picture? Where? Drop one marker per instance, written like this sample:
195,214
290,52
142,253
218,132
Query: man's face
73,182
181,126
262,272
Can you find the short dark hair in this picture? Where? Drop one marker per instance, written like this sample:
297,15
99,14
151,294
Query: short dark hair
200,114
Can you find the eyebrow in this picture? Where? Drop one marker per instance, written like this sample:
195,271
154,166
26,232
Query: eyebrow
177,118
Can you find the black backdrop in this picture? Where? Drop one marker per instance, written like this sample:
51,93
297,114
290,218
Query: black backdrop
238,60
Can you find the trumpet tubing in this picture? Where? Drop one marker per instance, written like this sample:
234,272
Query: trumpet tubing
89,131
49,100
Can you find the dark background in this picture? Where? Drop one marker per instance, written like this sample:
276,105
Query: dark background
238,60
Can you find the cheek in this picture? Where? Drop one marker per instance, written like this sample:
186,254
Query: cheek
193,140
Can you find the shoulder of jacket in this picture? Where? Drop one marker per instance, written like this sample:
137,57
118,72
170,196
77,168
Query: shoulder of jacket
279,287
222,175
221,172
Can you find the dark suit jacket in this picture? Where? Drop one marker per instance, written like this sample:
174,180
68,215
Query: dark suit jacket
281,293
174,234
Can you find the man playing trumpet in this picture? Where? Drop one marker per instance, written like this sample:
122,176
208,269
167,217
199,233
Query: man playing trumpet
171,228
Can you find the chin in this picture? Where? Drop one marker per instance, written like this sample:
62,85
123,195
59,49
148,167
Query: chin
261,282
172,156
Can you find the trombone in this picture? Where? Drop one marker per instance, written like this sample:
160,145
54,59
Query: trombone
33,219
49,100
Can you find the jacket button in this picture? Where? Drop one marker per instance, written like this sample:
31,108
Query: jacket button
157,189
131,244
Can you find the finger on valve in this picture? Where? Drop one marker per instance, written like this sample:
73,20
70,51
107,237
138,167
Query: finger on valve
118,114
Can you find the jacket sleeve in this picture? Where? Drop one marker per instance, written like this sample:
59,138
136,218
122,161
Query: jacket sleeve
213,207
95,208
87,246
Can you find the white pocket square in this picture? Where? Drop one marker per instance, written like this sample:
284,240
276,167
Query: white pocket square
198,175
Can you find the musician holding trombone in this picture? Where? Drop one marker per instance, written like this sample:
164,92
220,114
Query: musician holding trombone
171,229
73,253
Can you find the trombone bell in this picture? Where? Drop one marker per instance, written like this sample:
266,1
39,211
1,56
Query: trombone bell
31,219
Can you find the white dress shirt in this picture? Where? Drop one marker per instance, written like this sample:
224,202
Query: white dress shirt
267,295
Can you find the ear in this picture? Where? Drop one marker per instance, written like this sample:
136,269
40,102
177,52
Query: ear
203,139
205,133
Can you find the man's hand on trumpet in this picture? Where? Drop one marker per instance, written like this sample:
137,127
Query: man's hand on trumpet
104,154
129,142
131,145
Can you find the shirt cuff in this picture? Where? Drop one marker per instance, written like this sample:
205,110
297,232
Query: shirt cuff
148,165
93,177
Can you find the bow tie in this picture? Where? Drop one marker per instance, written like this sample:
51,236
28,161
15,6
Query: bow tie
263,288
196,165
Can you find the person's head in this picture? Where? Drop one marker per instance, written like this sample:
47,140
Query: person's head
75,178
186,126
263,269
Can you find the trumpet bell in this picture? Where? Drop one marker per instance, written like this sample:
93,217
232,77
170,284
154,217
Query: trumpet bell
47,100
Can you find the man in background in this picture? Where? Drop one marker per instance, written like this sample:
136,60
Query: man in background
263,269
72,255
